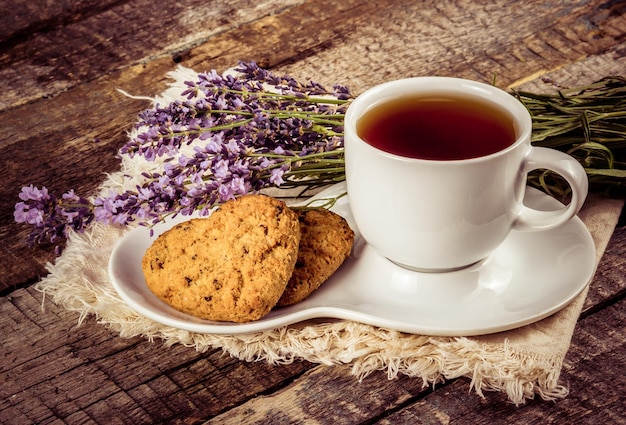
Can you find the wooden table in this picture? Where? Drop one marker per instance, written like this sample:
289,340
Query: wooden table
62,120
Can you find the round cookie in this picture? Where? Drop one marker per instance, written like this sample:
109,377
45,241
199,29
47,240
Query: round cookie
232,266
326,241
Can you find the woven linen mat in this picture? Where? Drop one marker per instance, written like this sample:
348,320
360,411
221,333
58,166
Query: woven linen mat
522,363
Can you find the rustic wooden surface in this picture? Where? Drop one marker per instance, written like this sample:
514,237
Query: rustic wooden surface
62,119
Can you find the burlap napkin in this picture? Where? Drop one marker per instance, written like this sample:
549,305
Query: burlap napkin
521,362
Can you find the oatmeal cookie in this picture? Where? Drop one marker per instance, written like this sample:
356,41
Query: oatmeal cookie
326,241
232,266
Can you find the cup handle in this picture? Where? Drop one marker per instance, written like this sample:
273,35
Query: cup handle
529,219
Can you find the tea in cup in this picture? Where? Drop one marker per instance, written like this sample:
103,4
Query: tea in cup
436,171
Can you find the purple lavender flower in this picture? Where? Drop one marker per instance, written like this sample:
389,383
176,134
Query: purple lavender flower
276,176
51,216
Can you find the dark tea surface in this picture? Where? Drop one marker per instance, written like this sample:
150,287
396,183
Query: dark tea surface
437,128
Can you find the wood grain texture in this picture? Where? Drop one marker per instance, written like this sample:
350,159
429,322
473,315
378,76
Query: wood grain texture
52,48
51,368
609,285
458,38
23,19
310,396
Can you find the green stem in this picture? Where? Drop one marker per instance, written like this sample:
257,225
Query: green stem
273,95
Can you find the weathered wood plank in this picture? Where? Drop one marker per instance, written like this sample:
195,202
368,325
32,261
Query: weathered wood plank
310,400
609,284
459,38
71,43
52,369
36,137
21,20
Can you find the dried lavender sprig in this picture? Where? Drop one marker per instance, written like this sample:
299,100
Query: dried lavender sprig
253,72
51,216
244,139
242,109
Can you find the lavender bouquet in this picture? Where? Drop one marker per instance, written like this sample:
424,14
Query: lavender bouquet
232,135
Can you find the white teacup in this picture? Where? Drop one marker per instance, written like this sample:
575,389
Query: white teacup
442,214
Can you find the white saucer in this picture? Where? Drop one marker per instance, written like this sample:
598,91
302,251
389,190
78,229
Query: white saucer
531,276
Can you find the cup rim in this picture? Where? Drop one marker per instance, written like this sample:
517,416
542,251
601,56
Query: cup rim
438,84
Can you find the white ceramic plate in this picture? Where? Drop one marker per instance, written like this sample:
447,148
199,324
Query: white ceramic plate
531,276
